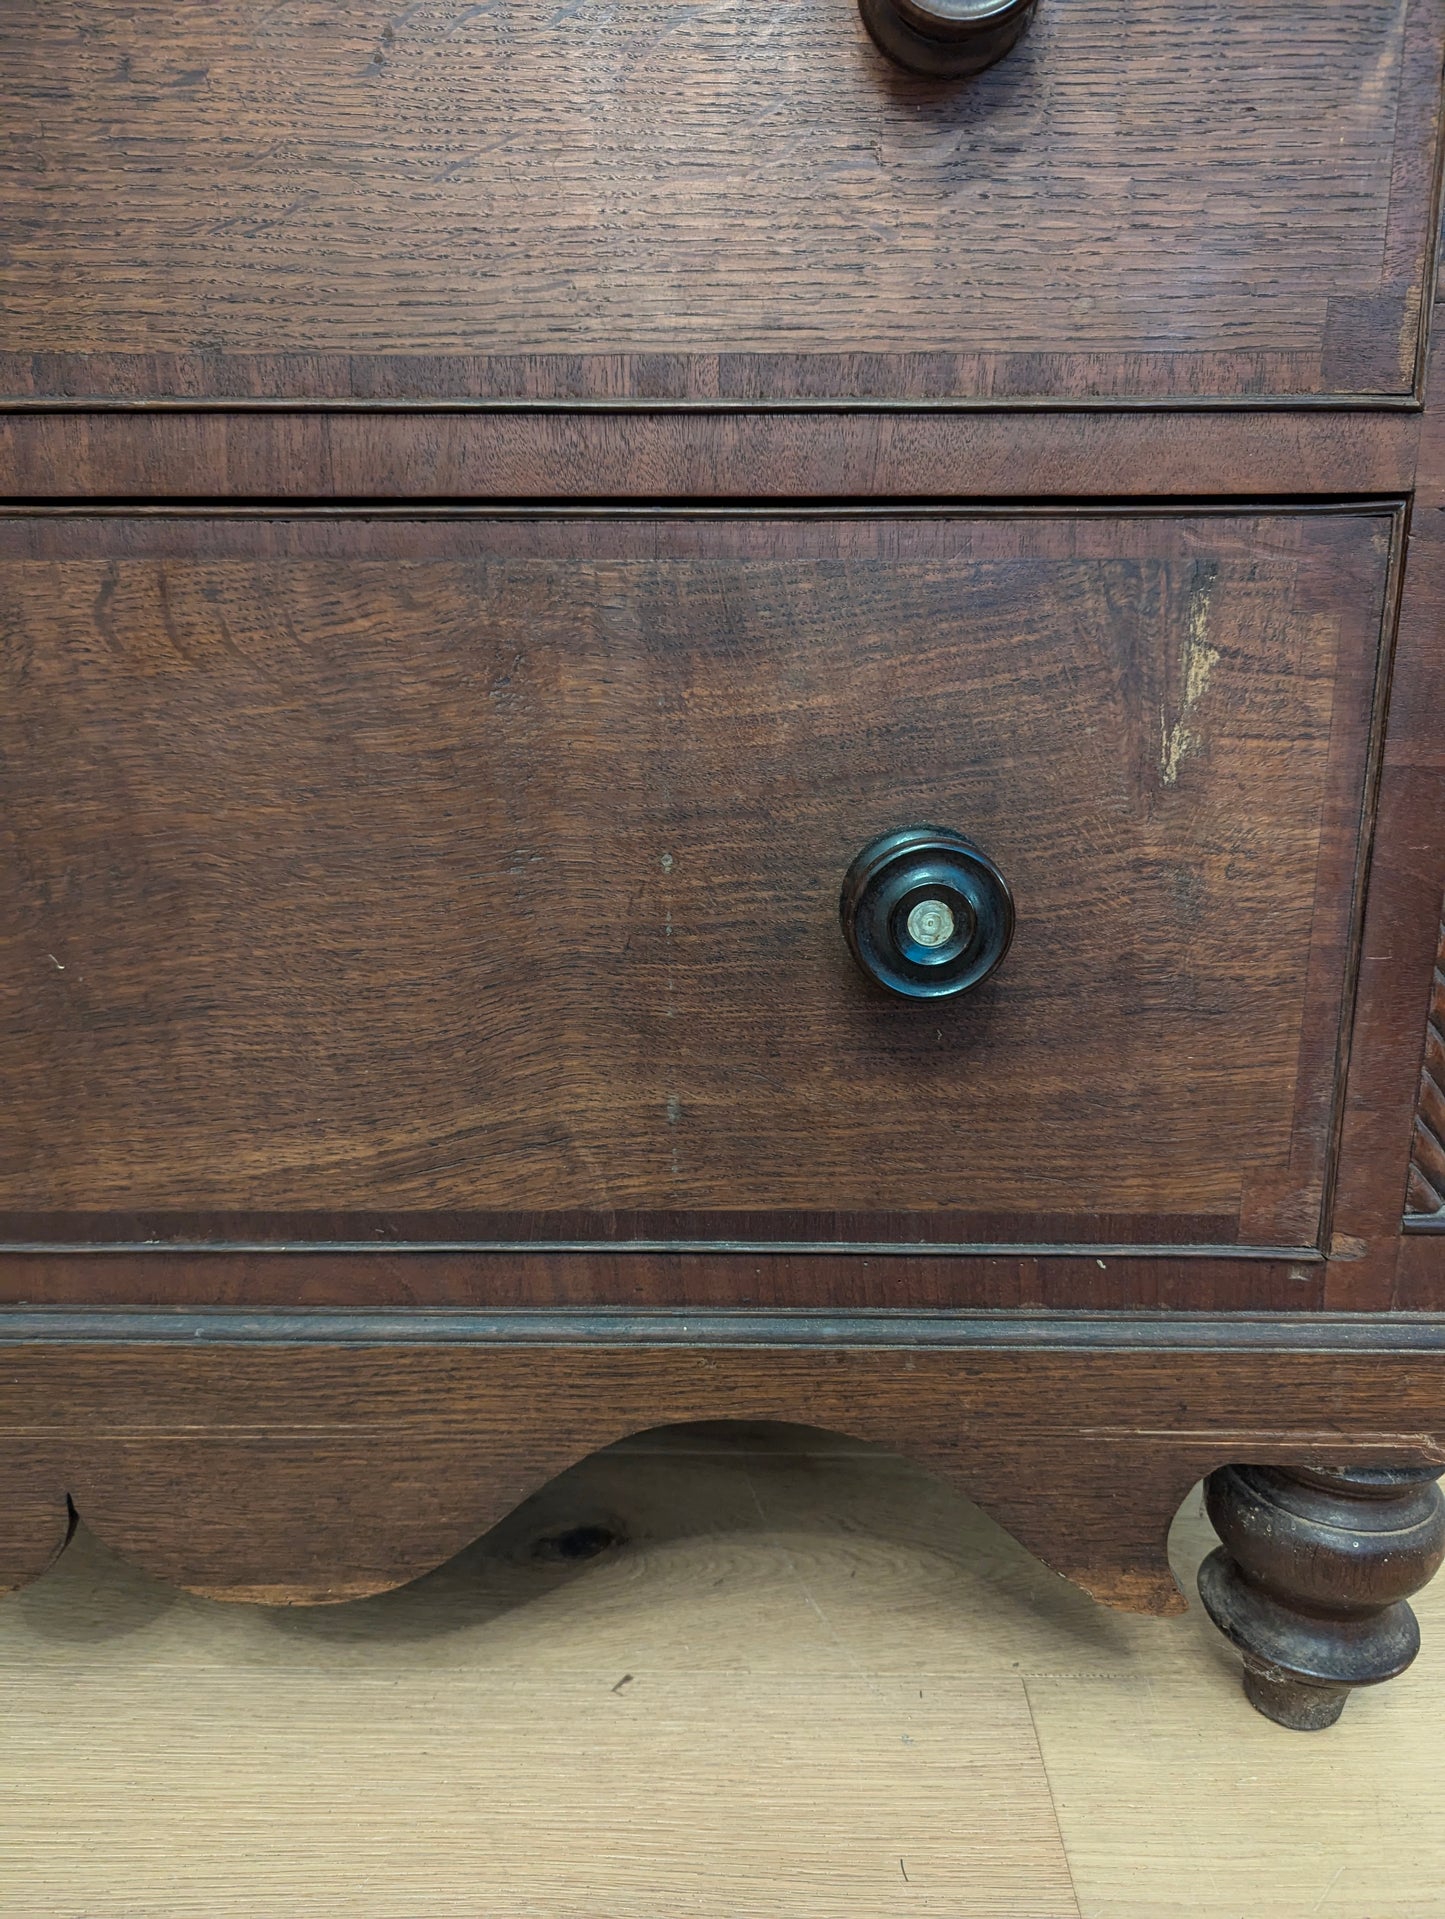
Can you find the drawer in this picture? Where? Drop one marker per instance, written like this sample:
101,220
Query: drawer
742,204
476,878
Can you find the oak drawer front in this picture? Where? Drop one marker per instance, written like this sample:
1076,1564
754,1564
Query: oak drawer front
477,878
1159,200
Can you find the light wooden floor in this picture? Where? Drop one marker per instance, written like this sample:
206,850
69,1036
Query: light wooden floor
806,1681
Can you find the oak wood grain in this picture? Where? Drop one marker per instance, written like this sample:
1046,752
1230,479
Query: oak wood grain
1374,1266
1173,201
381,1275
1425,1192
306,1475
479,877
468,456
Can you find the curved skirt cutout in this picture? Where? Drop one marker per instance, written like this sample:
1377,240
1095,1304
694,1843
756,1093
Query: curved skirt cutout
311,1474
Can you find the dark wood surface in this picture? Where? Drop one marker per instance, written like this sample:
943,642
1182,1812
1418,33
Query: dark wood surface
1425,1192
167,454
477,879
1313,1575
304,1474
1373,1266
1169,200
300,804
381,1276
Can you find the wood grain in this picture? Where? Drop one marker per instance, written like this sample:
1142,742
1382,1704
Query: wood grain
1375,1267
479,877
308,1475
172,455
378,878
1177,201
158,1272
549,1822
842,1673
1425,1195
1311,1581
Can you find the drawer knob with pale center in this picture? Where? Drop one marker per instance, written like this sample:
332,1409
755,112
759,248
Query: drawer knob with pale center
948,39
926,913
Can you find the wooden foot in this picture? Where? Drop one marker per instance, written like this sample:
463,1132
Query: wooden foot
1312,1578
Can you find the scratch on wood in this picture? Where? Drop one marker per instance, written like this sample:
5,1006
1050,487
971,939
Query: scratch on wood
1276,1443
1200,660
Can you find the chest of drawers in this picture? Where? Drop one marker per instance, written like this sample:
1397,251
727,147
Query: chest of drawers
726,712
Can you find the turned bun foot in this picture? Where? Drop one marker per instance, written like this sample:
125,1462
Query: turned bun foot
1311,1579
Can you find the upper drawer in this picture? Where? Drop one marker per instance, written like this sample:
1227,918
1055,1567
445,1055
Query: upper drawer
1146,199
479,878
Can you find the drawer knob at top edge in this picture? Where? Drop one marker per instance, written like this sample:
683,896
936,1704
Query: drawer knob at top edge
947,39
926,913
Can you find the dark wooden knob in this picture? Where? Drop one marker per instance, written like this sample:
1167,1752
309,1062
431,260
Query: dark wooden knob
926,913
946,38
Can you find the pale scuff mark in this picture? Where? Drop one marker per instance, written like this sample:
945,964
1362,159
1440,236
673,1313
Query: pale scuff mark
1200,660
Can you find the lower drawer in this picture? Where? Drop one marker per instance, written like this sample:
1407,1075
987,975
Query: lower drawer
475,878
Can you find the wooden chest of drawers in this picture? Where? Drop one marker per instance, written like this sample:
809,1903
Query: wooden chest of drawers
695,724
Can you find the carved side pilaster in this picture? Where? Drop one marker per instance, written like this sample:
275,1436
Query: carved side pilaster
1426,1195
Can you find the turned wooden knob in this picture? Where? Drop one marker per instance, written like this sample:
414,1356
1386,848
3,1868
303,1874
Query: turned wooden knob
926,913
946,38
1311,1579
